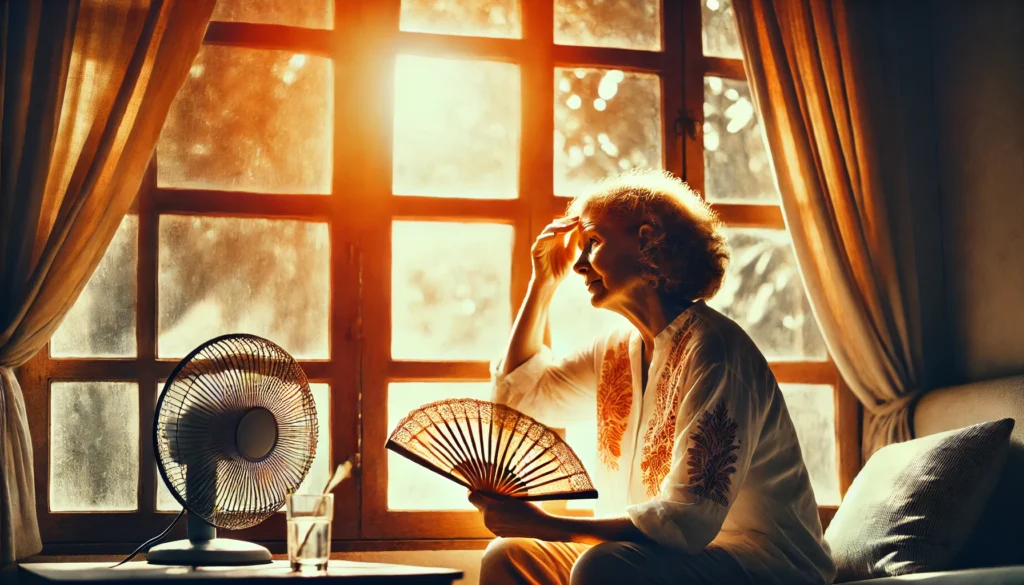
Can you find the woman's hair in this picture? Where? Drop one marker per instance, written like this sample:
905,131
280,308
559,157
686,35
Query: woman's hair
685,253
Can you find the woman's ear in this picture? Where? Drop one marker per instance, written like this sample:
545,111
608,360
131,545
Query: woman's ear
644,235
648,236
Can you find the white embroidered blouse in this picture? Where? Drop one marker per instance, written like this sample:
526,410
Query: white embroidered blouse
708,453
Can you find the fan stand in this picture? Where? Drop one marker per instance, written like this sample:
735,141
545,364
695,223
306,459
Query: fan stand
255,437
203,548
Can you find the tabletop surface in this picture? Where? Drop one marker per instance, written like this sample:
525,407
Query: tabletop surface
347,572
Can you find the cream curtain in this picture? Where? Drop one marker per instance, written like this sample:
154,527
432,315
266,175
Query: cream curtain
86,88
843,91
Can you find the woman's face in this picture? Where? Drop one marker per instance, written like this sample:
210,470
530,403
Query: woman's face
609,260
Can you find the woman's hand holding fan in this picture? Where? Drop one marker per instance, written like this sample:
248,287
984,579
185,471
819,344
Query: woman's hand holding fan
512,518
492,449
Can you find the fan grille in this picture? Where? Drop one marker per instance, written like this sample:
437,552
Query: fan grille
492,448
197,418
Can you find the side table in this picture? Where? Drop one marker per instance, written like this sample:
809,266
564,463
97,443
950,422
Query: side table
277,573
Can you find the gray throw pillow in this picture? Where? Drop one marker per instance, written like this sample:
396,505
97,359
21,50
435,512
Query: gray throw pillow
914,504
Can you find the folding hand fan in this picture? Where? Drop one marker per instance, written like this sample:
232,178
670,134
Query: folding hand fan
492,448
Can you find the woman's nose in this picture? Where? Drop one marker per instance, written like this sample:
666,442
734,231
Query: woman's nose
581,266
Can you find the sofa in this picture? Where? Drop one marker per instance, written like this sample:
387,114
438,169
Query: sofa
994,552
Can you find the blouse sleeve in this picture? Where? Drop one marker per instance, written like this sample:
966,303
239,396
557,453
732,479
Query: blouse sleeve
717,426
555,392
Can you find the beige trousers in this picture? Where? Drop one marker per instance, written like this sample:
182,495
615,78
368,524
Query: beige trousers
525,561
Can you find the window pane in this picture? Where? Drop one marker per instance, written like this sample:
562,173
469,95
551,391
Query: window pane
721,37
575,323
304,13
410,486
229,275
624,24
102,321
165,502
450,290
250,120
606,122
456,128
94,446
736,163
764,294
813,412
477,18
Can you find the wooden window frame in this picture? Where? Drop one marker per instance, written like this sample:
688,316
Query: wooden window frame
360,209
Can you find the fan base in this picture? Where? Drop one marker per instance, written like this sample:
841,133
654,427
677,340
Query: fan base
217,552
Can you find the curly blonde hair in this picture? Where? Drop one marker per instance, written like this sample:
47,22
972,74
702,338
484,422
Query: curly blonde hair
686,253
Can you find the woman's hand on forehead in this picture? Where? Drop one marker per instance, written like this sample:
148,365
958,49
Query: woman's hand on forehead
554,249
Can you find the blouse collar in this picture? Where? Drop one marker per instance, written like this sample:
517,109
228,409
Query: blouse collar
662,340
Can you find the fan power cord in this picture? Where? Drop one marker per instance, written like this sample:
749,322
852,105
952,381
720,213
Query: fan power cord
151,541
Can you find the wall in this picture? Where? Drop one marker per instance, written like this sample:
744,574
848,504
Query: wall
978,72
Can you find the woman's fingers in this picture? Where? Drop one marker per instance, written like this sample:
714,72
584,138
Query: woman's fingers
561,226
554,248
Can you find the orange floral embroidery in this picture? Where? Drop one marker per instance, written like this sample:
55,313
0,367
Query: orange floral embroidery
614,401
656,457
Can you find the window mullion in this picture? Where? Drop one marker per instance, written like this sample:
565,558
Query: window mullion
536,161
673,86
363,136
146,332
725,68
691,123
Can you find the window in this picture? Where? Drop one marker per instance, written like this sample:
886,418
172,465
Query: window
361,182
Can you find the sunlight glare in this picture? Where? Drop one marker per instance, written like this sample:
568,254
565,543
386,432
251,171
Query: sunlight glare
600,104
715,84
608,86
575,156
456,127
739,114
711,138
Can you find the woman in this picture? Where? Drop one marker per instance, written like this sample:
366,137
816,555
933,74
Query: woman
701,476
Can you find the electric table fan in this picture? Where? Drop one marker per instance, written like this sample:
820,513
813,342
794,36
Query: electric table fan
235,432
492,448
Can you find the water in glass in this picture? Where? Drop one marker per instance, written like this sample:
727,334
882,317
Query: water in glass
309,531
313,535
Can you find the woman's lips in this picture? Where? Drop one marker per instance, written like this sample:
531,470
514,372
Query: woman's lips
593,284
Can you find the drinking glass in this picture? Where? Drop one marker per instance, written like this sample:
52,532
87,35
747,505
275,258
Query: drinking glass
309,530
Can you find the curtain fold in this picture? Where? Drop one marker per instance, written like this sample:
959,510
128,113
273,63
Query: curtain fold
844,97
87,85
